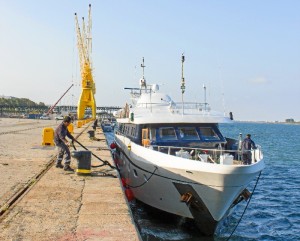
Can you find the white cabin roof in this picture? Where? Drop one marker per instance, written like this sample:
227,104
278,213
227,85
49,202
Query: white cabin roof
155,107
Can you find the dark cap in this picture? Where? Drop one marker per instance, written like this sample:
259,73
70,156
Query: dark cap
67,119
248,135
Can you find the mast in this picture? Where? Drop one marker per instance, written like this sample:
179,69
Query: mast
204,87
182,82
143,66
143,81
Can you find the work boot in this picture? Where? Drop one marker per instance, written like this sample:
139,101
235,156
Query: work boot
59,165
68,168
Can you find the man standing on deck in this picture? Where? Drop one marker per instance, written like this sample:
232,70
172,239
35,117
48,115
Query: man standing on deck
247,144
62,144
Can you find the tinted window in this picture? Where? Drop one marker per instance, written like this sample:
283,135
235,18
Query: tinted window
153,134
167,133
188,133
207,133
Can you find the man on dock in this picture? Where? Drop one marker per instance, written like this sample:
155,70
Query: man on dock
60,134
247,144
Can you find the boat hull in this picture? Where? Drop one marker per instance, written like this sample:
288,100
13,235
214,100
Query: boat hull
201,191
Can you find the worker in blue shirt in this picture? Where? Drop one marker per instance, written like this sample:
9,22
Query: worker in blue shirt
247,145
62,144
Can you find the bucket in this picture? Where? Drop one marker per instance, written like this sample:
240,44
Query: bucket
83,162
226,159
203,157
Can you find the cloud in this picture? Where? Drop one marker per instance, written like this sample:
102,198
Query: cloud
259,80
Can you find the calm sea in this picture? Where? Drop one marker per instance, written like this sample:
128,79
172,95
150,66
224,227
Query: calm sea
274,210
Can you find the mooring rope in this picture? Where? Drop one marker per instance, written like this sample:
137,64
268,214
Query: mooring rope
147,180
245,208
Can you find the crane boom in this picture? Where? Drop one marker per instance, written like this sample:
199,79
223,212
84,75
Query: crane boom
52,107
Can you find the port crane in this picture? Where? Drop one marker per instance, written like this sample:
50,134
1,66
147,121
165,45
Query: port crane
53,106
84,45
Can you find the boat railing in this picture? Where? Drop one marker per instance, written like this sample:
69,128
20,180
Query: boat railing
174,106
216,156
149,105
191,105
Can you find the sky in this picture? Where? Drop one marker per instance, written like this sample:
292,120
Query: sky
246,53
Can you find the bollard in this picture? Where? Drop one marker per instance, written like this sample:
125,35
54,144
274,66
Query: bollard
48,136
83,162
91,134
79,124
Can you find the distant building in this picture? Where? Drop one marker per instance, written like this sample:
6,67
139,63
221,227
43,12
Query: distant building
290,120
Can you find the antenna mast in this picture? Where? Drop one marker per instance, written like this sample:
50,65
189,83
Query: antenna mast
204,87
182,82
143,66
143,81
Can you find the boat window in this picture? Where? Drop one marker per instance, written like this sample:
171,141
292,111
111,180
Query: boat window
121,127
167,133
208,134
132,131
152,134
188,133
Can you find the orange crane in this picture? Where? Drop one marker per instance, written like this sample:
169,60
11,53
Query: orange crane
84,45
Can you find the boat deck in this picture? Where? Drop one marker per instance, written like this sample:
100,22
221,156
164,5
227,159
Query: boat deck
214,156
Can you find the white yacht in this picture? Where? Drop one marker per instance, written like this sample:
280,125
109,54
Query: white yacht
174,158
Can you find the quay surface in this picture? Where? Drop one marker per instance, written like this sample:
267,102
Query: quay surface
54,204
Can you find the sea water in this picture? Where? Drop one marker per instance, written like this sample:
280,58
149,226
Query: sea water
274,210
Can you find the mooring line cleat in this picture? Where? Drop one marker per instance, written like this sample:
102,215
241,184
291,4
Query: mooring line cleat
59,165
68,168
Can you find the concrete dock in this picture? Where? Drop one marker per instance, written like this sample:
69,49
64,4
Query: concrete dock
41,202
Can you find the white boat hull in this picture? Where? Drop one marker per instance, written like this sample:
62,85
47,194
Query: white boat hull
160,180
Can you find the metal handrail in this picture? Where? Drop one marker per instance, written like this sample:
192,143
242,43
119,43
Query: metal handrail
213,154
